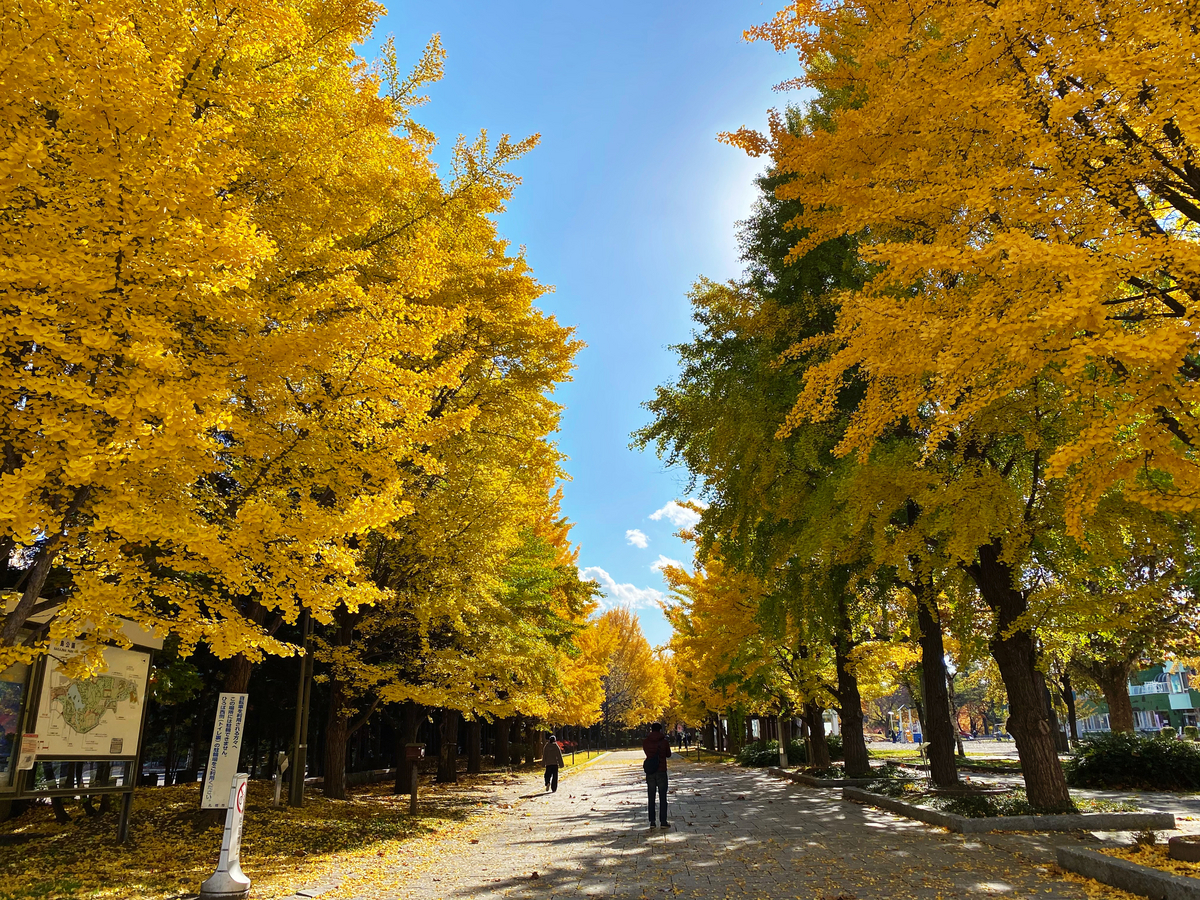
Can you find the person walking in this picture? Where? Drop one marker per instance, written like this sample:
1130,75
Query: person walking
552,758
657,747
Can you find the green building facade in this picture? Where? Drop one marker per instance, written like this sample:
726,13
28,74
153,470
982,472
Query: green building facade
1161,695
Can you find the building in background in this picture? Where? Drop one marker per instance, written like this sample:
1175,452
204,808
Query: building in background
1161,695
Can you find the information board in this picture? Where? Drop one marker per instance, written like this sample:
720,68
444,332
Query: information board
96,716
225,751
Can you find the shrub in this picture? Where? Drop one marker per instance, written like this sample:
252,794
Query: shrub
1191,733
1124,760
766,753
835,746
1167,731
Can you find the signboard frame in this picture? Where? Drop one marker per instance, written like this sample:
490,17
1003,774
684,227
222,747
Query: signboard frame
22,783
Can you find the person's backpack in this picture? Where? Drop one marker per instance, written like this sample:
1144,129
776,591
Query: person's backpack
650,766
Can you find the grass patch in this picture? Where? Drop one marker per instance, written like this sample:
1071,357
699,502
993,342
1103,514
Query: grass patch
173,847
889,770
1012,802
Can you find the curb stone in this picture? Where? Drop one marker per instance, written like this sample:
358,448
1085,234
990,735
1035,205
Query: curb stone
1136,821
1128,876
814,781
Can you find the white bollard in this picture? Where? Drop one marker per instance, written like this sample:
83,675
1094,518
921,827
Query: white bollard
228,882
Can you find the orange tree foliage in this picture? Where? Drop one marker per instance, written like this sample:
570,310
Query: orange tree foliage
223,355
1027,176
635,685
1029,235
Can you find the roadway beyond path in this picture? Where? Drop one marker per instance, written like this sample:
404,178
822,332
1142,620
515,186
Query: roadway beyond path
735,833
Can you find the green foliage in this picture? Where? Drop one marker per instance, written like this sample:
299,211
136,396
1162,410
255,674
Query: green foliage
1191,733
1124,760
766,753
981,806
834,741
1167,732
760,754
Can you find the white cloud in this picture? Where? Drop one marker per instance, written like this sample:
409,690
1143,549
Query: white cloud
621,594
663,561
637,538
679,516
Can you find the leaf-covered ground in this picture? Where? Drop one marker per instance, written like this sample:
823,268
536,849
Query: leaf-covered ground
1155,856
174,845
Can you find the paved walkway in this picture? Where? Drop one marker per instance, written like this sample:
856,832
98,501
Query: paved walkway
734,833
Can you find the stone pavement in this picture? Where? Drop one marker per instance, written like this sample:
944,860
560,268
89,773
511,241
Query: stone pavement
735,833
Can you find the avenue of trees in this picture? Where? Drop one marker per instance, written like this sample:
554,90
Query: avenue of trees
949,411
277,389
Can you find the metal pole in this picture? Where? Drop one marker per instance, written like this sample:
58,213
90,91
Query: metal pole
123,821
300,732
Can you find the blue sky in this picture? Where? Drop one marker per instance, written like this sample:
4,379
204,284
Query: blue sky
628,199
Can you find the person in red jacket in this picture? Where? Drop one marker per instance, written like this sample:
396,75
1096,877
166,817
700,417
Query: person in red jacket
657,748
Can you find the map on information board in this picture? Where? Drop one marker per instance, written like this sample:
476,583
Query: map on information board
96,716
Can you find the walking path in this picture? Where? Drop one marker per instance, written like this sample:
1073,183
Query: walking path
734,833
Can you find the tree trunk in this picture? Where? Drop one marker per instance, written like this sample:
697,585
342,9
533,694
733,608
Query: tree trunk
813,718
1068,693
503,729
854,743
530,743
37,574
337,733
1060,739
1015,652
237,675
169,760
942,768
474,747
954,717
1113,682
410,724
447,772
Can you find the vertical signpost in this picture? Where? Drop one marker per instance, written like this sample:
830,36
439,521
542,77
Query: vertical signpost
414,753
226,749
280,768
229,882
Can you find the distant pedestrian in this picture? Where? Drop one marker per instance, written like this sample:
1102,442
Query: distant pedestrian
552,758
657,748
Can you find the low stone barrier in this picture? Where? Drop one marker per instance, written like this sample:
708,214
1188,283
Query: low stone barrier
1117,821
815,781
368,776
1128,876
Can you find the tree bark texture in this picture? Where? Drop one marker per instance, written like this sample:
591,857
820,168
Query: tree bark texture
43,561
410,725
337,733
503,729
237,675
1068,695
854,742
942,767
530,743
1014,649
814,719
1060,739
474,747
1113,681
447,772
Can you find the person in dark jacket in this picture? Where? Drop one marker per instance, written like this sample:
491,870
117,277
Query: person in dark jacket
657,748
552,758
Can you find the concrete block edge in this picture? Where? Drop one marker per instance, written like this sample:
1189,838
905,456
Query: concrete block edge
965,825
1128,876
